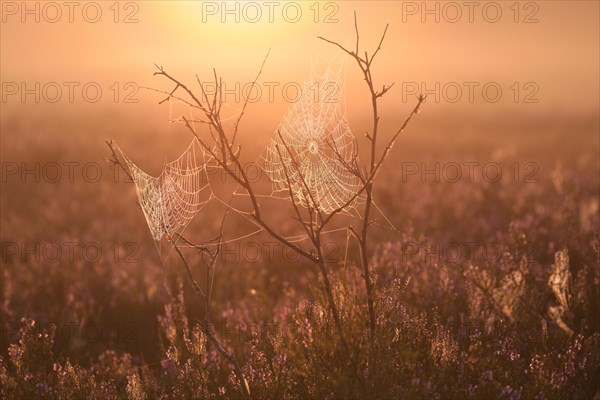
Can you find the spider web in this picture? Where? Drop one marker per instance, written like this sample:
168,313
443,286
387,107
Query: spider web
172,199
310,143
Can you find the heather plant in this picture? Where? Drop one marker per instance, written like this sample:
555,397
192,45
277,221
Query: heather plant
470,350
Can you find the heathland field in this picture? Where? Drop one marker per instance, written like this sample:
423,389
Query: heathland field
487,287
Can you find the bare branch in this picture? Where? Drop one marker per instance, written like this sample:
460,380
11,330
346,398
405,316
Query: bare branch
365,66
349,52
237,122
310,231
116,160
380,43
178,84
195,285
356,30
371,176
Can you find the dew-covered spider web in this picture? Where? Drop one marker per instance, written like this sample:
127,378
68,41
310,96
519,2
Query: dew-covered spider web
313,145
172,199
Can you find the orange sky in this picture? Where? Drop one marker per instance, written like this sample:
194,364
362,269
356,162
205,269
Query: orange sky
559,53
